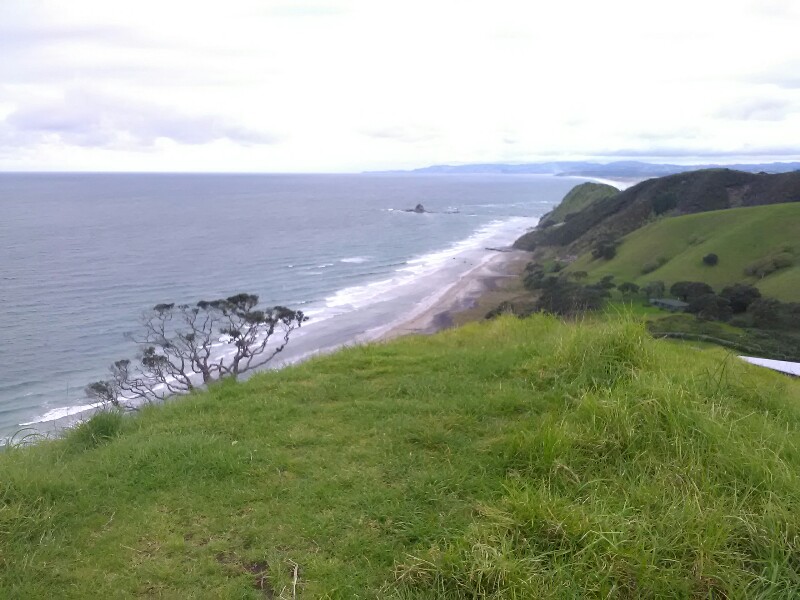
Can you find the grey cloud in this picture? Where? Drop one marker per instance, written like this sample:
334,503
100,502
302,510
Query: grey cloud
758,110
94,120
21,37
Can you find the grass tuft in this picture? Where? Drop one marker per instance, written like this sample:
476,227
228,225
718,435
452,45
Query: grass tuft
101,428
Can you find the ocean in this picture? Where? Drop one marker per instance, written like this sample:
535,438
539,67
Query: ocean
83,255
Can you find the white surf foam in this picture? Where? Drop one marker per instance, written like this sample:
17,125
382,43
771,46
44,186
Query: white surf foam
495,233
61,413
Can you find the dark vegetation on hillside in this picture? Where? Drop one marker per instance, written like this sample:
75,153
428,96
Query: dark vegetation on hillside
681,194
735,315
738,317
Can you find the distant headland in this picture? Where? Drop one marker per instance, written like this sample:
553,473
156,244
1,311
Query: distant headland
619,169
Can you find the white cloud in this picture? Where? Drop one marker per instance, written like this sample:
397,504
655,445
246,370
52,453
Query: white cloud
350,85
81,118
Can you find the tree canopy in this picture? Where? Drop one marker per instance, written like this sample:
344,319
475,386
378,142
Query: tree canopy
184,346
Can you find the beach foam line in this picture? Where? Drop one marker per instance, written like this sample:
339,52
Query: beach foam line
61,413
498,231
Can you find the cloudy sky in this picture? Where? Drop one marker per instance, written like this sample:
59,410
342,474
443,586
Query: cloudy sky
349,85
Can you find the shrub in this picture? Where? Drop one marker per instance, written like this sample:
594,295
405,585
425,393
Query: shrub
766,266
504,308
710,259
689,290
534,273
769,313
628,288
664,202
710,307
649,267
606,283
606,249
740,296
566,298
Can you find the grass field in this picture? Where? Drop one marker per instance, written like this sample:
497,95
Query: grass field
739,236
506,459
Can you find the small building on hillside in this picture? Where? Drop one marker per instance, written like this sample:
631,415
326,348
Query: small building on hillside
669,304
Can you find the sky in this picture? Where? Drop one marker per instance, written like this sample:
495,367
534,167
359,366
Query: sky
351,85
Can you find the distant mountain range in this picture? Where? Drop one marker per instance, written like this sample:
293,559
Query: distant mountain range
620,169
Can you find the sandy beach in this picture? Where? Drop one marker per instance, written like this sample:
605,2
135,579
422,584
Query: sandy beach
463,294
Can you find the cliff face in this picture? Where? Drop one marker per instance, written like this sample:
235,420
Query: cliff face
681,194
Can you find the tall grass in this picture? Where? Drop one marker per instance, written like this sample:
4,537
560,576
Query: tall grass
511,459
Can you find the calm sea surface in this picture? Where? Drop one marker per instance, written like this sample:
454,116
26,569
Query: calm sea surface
81,256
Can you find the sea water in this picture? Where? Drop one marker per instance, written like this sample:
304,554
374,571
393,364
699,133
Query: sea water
83,255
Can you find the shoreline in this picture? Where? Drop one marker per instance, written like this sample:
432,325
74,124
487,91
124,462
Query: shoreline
437,312
464,294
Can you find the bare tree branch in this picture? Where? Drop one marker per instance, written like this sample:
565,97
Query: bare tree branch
182,347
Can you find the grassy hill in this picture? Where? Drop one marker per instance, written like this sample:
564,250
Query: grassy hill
674,195
508,459
741,237
577,199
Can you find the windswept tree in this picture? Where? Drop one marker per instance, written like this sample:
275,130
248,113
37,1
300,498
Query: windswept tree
183,347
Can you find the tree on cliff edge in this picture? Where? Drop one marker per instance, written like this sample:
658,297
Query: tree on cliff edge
183,347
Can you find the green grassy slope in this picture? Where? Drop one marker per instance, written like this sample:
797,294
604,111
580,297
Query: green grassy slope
579,198
509,459
738,236
679,194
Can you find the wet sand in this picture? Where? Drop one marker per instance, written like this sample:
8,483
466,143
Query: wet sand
464,294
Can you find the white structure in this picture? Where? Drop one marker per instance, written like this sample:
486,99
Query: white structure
790,368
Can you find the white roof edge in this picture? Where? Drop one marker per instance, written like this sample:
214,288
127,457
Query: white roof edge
790,368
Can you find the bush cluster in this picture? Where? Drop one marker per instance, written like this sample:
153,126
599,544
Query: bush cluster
664,202
769,313
689,291
766,266
651,266
741,302
605,248
561,296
